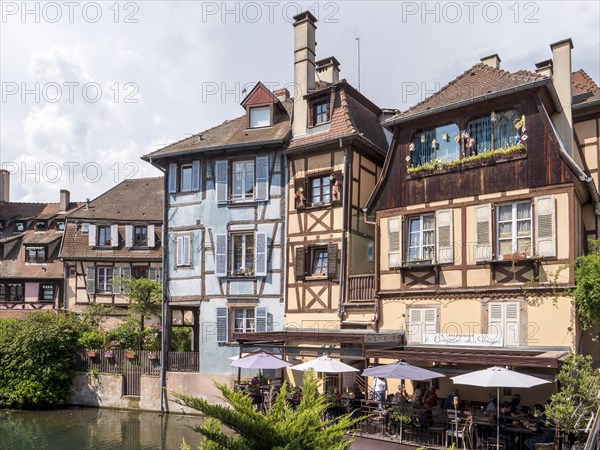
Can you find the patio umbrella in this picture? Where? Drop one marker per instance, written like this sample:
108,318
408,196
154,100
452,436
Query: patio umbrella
260,361
325,364
401,370
498,377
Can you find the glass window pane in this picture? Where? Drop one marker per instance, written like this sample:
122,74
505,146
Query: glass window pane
249,179
524,228
447,147
523,210
186,178
505,212
505,230
506,247
428,252
428,222
524,246
428,238
414,225
260,117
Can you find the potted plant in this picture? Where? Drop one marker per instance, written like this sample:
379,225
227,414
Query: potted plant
91,341
131,354
152,341
152,355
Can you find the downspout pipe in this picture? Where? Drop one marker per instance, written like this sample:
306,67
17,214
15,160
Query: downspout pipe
345,193
376,312
287,190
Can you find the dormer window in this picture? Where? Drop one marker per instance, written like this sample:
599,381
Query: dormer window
35,254
186,178
40,225
19,227
260,116
320,112
140,236
60,225
103,236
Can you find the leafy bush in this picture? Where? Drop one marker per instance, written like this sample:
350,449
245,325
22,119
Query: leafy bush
36,359
95,314
91,340
587,286
181,339
127,334
152,338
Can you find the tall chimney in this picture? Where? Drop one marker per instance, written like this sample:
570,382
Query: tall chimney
328,70
4,186
561,79
493,61
304,67
65,199
544,68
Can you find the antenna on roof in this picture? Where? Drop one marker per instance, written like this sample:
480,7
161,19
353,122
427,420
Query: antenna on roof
358,50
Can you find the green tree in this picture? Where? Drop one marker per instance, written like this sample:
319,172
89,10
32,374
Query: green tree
279,428
579,385
587,286
145,298
95,314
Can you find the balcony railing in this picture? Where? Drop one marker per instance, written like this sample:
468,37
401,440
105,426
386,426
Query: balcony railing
361,288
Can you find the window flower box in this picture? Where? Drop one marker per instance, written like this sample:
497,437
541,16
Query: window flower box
131,355
92,353
152,355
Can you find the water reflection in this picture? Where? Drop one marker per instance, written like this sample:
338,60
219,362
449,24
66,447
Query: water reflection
97,429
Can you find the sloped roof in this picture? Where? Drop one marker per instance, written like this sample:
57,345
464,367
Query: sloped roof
584,88
138,199
232,133
353,115
15,267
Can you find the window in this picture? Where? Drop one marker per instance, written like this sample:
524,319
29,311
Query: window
35,254
243,320
184,250
186,178
421,321
40,225
421,238
242,257
139,272
504,321
514,229
104,280
85,227
243,180
260,116
103,236
319,259
19,227
491,132
11,292
47,292
320,190
320,112
60,226
140,236
440,143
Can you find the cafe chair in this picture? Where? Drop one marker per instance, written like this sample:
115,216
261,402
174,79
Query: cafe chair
462,434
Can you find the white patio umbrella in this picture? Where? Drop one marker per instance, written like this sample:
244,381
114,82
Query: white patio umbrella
259,361
498,377
325,364
401,370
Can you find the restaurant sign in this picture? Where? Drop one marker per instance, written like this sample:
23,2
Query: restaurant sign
472,340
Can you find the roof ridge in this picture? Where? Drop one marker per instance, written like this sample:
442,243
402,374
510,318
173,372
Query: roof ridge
346,111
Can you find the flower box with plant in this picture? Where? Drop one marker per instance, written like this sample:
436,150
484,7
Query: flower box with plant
91,341
131,354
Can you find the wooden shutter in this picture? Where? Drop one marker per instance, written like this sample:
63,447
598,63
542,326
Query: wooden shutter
128,235
395,242
222,325
116,280
179,249
221,181
339,188
512,312
151,237
495,319
300,263
172,178
299,193
114,235
332,260
429,322
261,254
262,178
221,255
92,235
184,251
196,176
153,274
415,321
91,280
126,273
483,232
545,226
261,320
444,236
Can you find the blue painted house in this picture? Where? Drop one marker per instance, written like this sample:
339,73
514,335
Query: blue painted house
225,209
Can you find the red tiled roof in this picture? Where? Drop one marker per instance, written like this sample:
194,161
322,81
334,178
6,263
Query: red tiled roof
13,266
584,88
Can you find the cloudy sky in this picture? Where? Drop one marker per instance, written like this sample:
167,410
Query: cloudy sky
89,87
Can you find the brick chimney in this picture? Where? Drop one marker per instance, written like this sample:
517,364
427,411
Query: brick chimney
328,70
544,68
561,79
493,61
282,94
4,186
304,67
65,200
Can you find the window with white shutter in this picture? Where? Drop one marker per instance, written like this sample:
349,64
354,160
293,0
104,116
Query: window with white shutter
514,229
222,325
221,181
504,321
545,226
128,235
151,236
483,232
221,255
262,320
184,257
92,235
444,236
395,242
261,254
114,235
91,280
172,178
421,321
262,178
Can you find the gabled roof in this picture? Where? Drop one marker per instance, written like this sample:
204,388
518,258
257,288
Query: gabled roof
259,94
477,82
138,199
353,115
585,90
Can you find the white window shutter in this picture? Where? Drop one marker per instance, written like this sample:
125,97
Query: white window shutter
262,178
444,236
429,321
395,242
415,320
496,319
179,249
261,254
512,324
196,176
128,235
222,325
172,178
116,280
221,181
92,235
187,250
151,237
126,273
91,280
114,235
261,320
545,226
483,232
221,255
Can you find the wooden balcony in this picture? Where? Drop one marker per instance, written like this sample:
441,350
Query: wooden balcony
361,288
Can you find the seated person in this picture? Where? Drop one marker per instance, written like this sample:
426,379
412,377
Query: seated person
430,399
417,396
544,433
449,402
516,403
400,396
493,403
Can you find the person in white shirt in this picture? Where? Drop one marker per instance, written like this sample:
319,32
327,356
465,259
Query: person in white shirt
380,389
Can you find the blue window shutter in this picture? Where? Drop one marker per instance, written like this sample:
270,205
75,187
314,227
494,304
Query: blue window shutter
221,255
222,325
91,280
221,181
172,178
261,254
262,178
196,176
261,320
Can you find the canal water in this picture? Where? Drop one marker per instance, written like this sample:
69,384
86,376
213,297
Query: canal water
96,429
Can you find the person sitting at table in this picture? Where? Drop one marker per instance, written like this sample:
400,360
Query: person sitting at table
544,433
417,397
449,402
516,403
430,399
380,389
492,404
400,396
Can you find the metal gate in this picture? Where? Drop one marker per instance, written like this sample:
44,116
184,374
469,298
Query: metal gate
133,376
